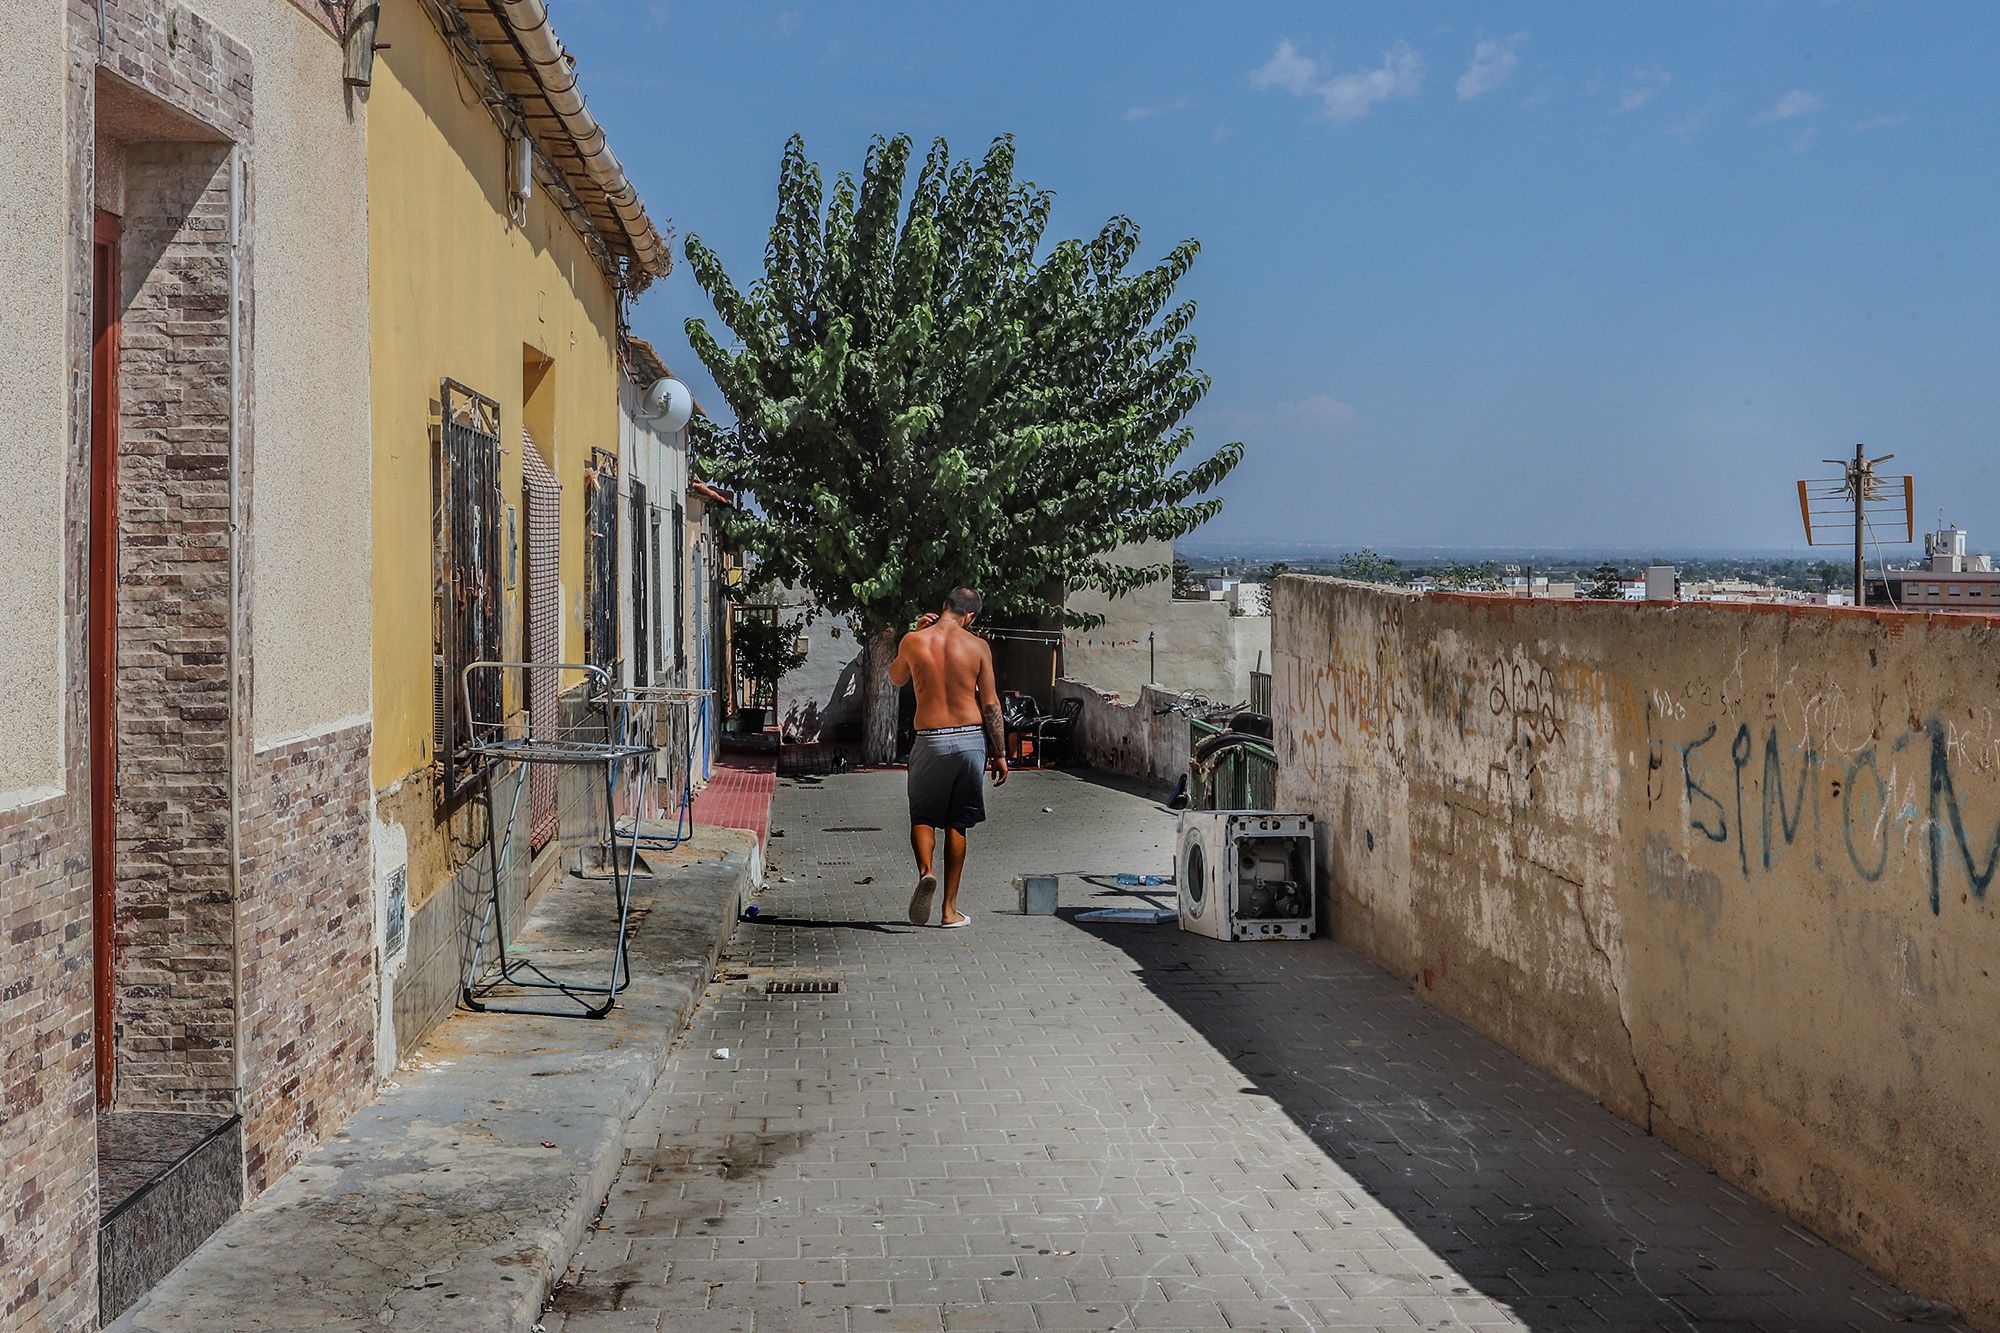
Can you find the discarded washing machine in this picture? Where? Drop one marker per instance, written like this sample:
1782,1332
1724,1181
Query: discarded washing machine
1246,874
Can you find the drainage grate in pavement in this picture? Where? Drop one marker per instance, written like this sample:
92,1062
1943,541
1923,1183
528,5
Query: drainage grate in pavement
802,986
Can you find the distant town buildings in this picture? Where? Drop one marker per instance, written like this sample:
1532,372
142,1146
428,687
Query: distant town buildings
1949,579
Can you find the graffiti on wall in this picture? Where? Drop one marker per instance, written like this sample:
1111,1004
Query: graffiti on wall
1758,793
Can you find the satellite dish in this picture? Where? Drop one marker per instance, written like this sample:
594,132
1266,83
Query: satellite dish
669,405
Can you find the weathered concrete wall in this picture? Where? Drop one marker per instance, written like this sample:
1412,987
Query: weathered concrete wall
1146,739
821,701
1724,867
1196,646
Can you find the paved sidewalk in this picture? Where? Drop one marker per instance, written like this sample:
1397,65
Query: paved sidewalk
455,1198
1034,1124
738,794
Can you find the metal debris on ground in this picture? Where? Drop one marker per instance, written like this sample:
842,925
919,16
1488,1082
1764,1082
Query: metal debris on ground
1141,915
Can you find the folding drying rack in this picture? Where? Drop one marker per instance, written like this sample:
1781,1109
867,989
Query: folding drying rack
662,716
600,735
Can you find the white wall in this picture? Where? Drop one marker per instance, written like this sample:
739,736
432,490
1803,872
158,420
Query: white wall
34,378
1196,646
309,506
658,461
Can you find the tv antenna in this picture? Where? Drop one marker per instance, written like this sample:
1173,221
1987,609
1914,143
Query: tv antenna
1869,498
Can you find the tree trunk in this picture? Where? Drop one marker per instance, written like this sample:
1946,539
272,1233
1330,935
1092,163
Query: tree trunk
880,699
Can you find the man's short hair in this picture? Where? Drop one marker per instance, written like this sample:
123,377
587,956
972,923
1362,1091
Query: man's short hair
963,602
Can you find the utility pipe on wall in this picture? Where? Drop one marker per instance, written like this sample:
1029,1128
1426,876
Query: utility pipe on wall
556,74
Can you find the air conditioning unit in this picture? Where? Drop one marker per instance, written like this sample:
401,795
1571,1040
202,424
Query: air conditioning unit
1246,874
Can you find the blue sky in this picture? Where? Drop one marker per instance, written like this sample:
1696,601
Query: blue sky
1541,274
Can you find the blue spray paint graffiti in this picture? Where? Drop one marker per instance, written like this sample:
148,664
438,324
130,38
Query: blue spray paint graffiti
1864,795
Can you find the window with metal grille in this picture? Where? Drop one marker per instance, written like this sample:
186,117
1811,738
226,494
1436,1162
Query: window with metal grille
600,560
662,571
642,638
680,583
466,571
542,508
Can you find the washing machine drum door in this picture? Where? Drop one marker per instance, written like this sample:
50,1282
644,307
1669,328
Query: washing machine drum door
1194,876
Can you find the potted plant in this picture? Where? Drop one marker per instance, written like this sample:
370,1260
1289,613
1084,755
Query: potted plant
768,647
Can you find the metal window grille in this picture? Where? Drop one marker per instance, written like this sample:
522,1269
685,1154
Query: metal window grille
680,591
600,554
642,638
662,570
466,568
542,500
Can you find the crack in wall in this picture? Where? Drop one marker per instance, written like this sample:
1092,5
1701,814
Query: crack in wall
1618,993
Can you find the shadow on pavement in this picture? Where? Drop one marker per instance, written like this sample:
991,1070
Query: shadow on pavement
815,923
1534,1193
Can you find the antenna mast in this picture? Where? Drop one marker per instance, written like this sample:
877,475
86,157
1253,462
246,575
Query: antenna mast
1872,499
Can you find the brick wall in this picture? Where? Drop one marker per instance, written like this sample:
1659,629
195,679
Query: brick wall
175,964
48,1104
307,941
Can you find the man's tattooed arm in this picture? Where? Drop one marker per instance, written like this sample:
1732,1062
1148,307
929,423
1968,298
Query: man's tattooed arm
996,730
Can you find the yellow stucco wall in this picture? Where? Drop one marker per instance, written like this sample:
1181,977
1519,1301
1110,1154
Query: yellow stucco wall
459,292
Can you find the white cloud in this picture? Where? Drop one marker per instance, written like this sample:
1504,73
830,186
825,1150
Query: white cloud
1797,102
1883,122
1343,97
1803,140
1643,87
1493,63
1286,69
1319,409
1143,112
1689,127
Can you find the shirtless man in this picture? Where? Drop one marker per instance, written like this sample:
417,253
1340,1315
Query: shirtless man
959,736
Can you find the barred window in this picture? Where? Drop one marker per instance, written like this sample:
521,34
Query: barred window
465,573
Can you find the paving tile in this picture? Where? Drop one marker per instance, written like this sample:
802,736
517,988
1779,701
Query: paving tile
1038,1123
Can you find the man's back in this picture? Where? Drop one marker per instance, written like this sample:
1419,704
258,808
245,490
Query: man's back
945,661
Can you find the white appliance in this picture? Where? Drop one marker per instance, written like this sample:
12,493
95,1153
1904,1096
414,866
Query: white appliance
1246,874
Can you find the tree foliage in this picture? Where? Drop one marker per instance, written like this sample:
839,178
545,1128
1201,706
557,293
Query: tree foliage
1365,566
925,396
1605,585
1461,576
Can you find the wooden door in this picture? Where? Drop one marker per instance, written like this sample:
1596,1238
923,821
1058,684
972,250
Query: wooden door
103,646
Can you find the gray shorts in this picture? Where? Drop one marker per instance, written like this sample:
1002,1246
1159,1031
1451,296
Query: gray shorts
947,778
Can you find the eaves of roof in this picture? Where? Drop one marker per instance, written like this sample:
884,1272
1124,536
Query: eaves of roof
510,45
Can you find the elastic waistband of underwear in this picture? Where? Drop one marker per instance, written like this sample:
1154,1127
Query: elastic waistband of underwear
950,731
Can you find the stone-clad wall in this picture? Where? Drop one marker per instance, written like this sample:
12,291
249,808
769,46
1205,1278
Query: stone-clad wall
176,966
1725,868
306,943
48,1102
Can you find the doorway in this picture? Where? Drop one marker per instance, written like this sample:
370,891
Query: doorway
106,313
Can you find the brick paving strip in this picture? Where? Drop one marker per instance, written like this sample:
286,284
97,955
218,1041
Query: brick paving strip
455,1198
738,794
1036,1124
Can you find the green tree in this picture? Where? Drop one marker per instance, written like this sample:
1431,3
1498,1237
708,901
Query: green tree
1365,566
1461,577
1605,584
926,397
1186,584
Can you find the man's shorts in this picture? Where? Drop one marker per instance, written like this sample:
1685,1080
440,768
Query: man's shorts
947,778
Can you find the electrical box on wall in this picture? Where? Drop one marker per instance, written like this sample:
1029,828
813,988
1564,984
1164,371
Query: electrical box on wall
1246,874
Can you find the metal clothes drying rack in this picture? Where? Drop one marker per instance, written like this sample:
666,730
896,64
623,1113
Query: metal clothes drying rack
600,736
663,717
